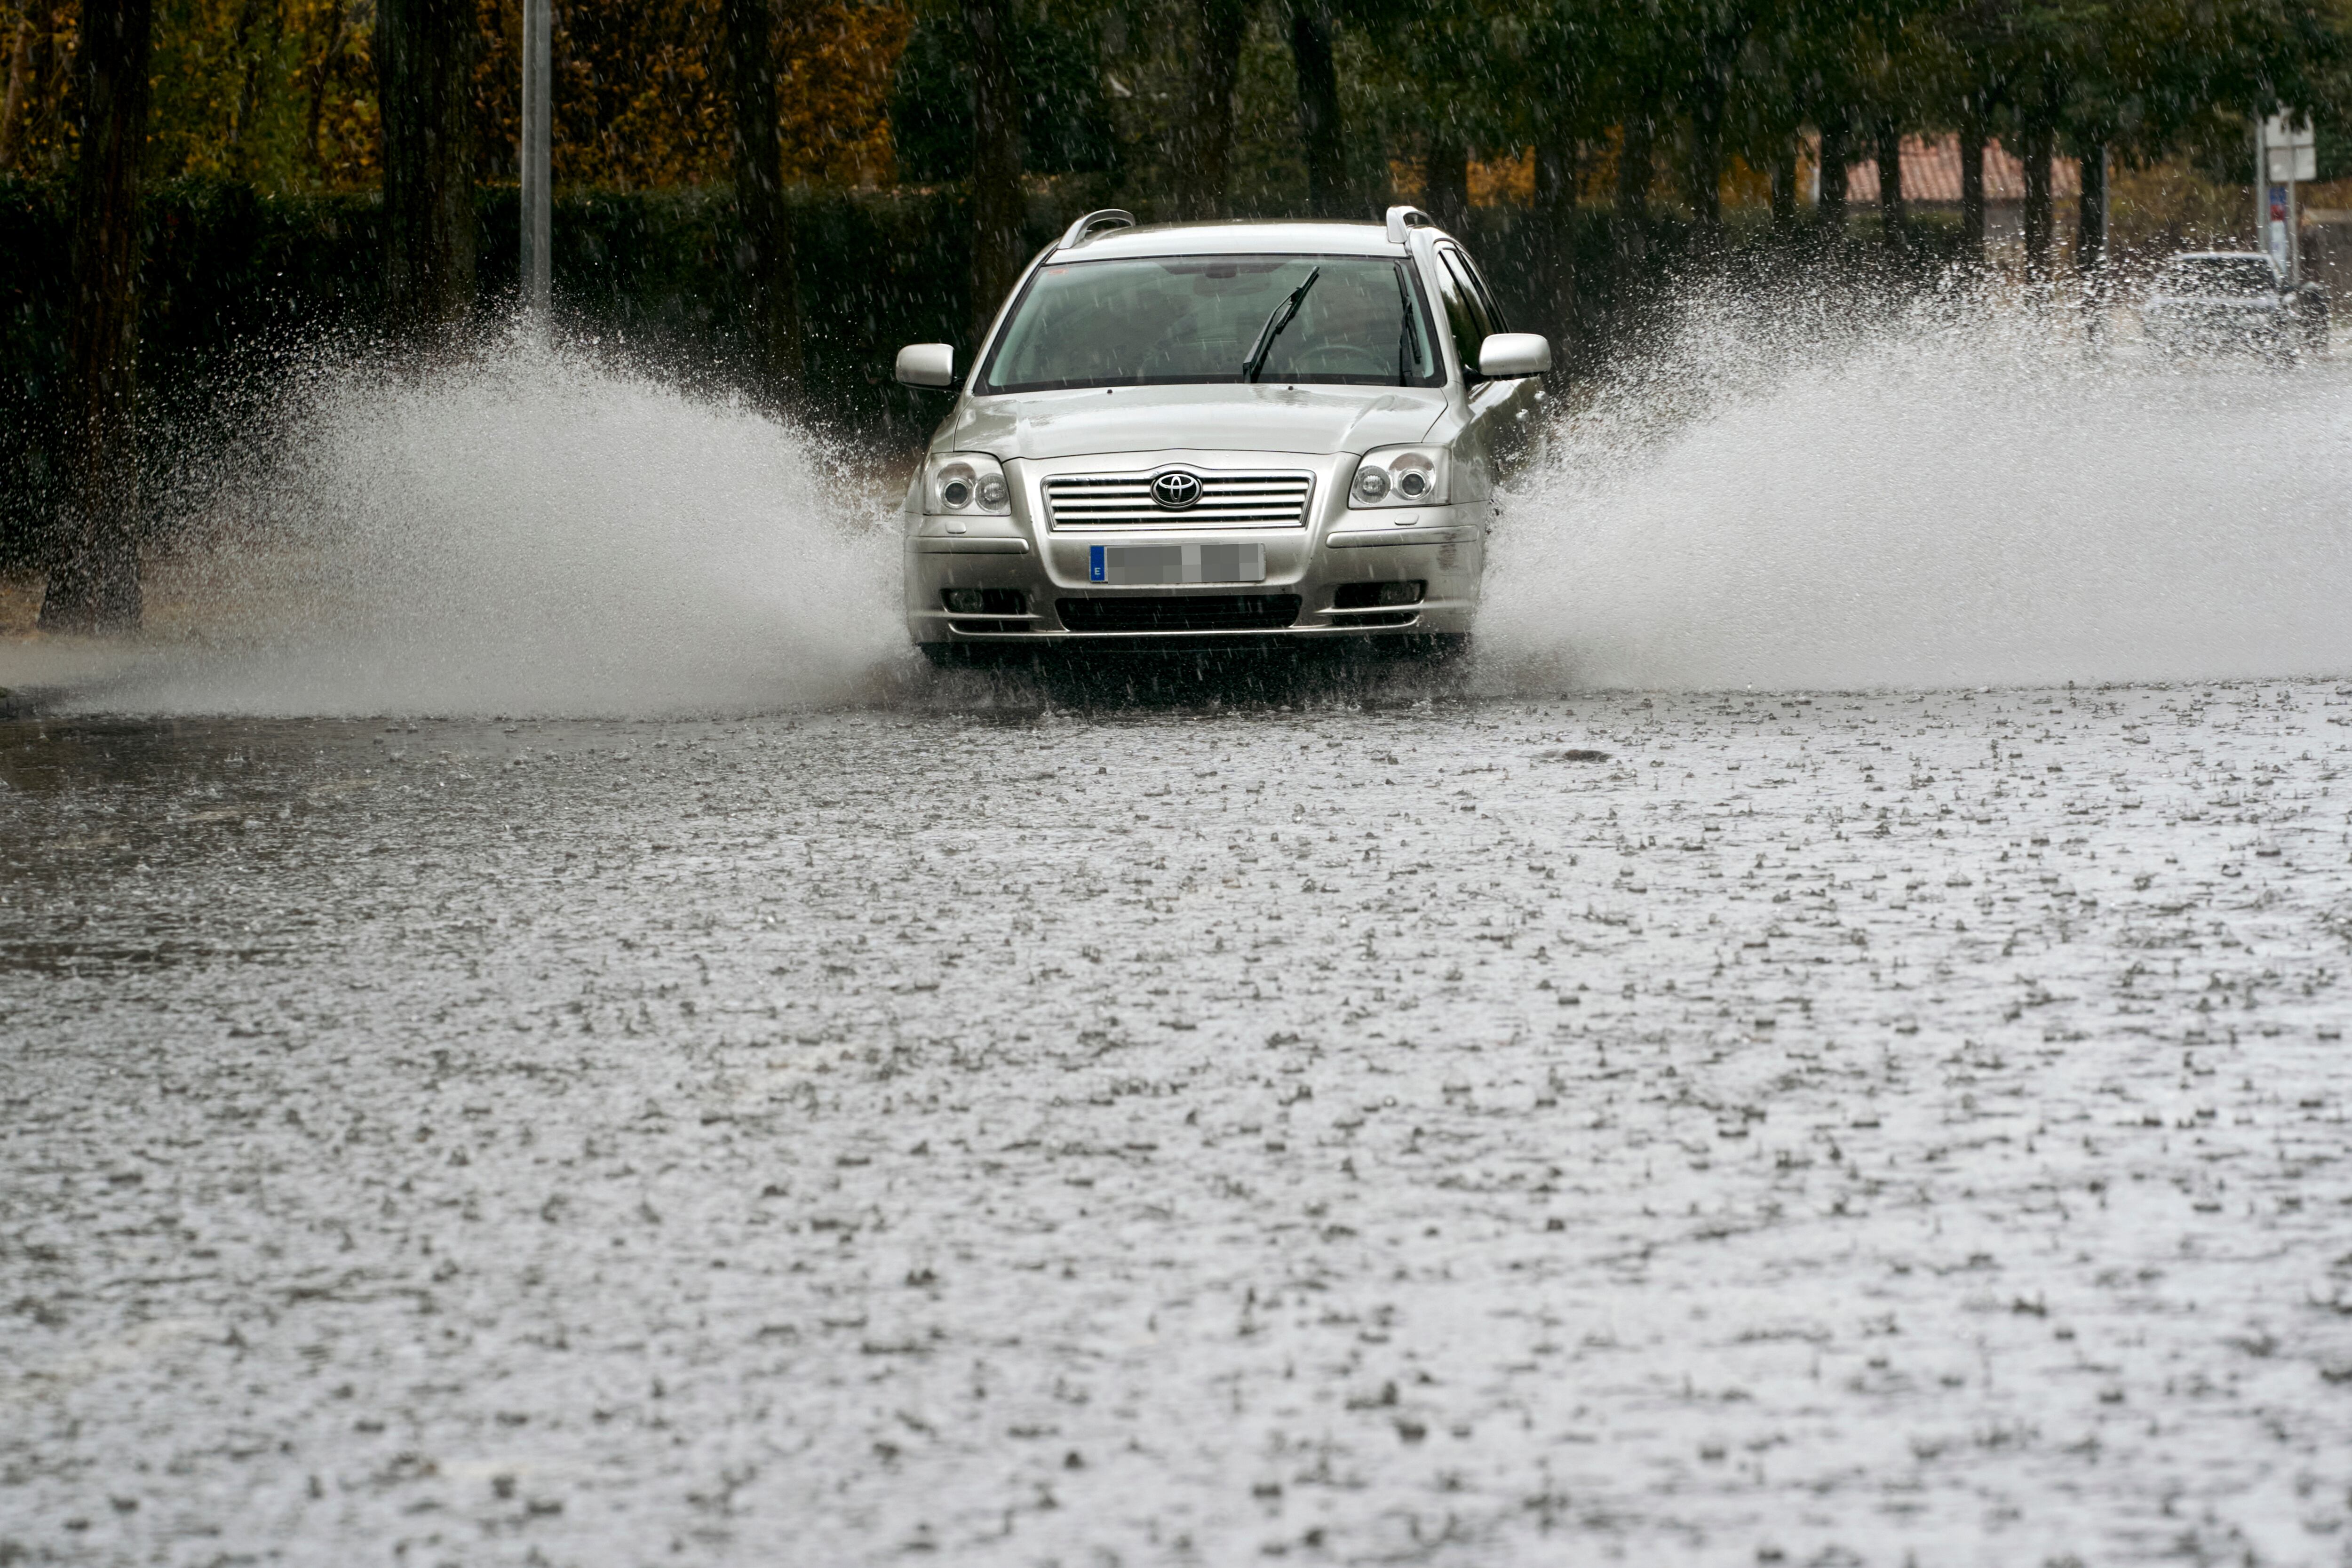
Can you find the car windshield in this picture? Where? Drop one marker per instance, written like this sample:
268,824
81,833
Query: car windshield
1175,320
2218,275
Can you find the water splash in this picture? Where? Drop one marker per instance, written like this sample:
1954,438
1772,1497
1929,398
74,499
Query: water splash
1963,496
1777,497
532,531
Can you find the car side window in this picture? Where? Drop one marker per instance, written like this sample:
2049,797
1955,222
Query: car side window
1479,291
1461,312
1481,311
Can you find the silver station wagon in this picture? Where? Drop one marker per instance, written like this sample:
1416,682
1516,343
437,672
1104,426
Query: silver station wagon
1220,434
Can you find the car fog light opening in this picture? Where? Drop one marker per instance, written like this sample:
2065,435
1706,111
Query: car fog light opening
1377,595
985,600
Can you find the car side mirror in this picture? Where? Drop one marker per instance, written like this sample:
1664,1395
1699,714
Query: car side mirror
929,365
1508,354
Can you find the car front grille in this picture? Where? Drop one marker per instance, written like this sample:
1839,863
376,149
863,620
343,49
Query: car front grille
1227,500
1186,613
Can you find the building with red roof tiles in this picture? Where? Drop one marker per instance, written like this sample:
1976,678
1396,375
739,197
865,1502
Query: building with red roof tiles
1931,175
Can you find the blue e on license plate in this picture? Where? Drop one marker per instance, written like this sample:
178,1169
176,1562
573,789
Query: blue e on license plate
1143,565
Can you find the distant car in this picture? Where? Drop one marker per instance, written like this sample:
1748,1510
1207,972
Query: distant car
1219,434
2209,300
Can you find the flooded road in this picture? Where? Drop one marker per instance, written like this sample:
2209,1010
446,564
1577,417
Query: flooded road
1683,1129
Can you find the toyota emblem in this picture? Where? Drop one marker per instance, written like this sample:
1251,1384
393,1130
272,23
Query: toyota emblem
1175,491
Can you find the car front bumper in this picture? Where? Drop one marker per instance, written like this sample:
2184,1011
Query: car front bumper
1308,569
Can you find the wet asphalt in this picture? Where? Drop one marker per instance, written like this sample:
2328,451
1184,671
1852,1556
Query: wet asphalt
1716,1129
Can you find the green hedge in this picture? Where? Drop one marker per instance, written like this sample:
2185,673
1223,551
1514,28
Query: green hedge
234,284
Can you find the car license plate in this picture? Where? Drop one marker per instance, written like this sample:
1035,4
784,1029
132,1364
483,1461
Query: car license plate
1141,564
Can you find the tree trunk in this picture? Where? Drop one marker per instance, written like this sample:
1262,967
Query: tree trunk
2091,213
1706,162
93,581
1972,196
1328,185
252,52
1204,138
1893,216
1629,239
319,73
764,245
2040,147
996,204
1445,181
1633,174
1555,215
20,64
1832,209
1784,185
424,79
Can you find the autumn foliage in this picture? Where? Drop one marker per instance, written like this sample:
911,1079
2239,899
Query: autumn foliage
282,94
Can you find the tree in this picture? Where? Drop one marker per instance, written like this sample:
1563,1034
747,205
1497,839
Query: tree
1317,68
424,56
1972,185
997,202
1445,177
2037,149
1066,125
1204,136
764,235
94,578
1712,35
1893,216
12,102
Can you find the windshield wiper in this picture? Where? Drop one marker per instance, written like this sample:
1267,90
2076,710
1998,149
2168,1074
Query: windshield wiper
1274,325
1408,340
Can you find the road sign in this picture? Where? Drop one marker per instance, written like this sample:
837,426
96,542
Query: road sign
2291,152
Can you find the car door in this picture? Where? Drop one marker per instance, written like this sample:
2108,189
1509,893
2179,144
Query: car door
1506,408
1465,323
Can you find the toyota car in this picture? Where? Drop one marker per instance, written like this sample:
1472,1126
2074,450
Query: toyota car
1188,435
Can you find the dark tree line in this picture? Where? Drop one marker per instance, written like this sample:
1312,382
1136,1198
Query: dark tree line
1624,104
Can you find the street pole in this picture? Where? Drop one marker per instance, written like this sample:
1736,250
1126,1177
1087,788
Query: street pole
2294,233
2284,156
2107,207
2261,183
537,61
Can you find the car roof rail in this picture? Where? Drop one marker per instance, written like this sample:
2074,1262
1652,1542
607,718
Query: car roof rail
1404,219
1078,233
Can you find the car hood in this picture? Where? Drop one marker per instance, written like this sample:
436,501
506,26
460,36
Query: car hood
1228,418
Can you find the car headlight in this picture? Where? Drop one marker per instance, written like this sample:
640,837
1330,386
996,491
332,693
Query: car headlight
1400,476
962,483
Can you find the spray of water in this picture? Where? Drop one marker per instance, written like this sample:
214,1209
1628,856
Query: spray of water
1965,495
530,531
1775,498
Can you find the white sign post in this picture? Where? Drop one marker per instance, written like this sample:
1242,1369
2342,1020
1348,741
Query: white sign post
537,160
2284,154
